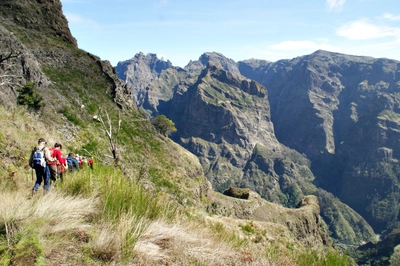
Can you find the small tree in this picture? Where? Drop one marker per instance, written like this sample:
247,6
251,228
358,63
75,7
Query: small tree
163,125
30,97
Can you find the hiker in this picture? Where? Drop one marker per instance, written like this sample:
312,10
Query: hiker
90,162
39,156
79,160
73,164
62,167
55,152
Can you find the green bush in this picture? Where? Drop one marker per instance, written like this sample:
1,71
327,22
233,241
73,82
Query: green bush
30,97
163,125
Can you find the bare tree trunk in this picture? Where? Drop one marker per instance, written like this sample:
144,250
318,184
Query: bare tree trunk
112,134
8,57
6,77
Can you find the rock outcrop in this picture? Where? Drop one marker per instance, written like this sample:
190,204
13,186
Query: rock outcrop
51,46
218,59
39,17
304,222
141,71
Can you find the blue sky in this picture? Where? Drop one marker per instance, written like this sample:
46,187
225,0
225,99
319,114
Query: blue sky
182,30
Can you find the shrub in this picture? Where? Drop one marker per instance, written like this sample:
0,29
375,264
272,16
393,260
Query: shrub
163,125
30,97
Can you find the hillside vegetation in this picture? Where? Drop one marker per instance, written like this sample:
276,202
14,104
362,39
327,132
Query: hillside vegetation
147,201
142,211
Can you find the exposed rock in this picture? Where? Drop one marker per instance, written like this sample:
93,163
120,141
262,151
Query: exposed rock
305,223
217,59
140,71
240,193
44,17
120,91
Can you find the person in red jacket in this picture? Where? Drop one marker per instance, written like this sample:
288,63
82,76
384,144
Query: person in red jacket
91,162
56,155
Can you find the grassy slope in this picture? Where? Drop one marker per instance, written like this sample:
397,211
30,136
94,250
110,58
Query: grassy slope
150,210
104,216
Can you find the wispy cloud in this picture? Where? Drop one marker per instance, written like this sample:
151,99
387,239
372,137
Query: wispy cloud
302,46
363,29
335,4
391,17
161,3
76,19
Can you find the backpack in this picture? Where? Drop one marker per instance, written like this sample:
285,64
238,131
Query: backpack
38,159
71,164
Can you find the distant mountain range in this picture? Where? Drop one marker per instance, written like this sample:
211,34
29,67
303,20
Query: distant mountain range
326,124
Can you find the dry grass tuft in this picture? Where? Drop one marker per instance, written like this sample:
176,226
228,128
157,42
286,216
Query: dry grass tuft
64,213
54,225
179,244
115,242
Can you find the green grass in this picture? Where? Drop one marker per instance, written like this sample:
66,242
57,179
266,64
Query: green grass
248,228
70,114
119,195
28,250
314,258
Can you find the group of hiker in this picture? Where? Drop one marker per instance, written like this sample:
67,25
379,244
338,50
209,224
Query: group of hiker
50,165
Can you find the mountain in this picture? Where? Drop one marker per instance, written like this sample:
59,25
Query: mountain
147,200
225,120
340,111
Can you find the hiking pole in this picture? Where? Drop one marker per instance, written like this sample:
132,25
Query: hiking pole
32,174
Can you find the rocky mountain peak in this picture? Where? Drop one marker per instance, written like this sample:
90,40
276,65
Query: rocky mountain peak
215,70
215,58
44,16
142,69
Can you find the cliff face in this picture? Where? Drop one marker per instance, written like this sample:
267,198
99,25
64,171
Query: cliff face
341,111
330,91
222,123
41,16
148,81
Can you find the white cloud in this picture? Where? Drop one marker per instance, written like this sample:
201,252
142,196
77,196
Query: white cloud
364,30
391,17
292,49
335,4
